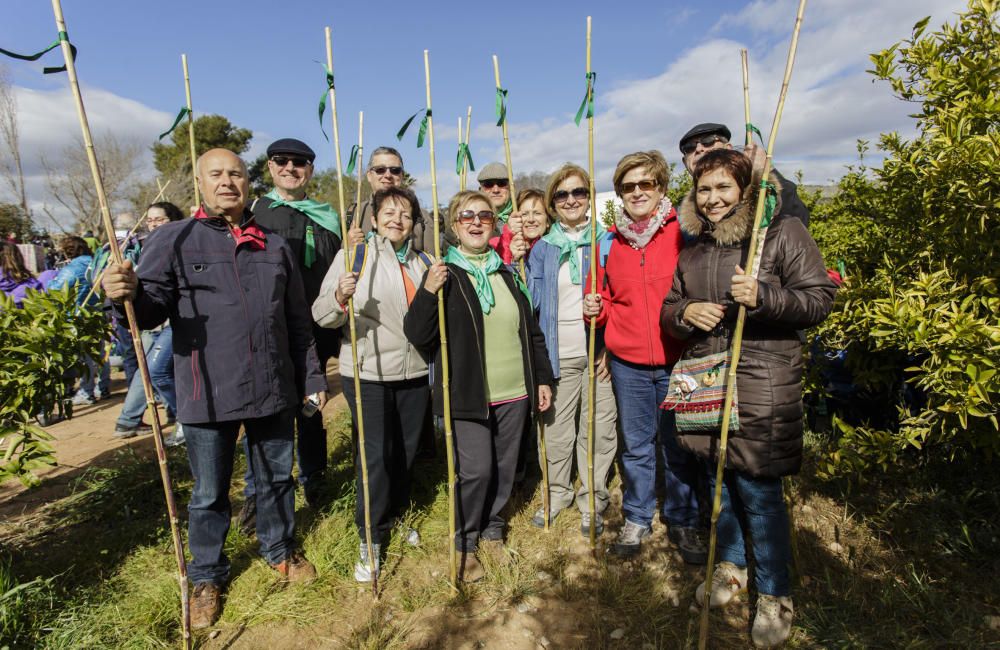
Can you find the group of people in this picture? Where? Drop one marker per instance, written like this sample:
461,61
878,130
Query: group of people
257,295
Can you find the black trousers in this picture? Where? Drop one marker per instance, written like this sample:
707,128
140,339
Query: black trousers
486,457
394,418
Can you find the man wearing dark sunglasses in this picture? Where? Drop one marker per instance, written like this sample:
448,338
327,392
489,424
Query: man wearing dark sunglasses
494,183
312,229
702,138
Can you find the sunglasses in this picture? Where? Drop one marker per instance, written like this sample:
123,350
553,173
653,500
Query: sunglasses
281,161
645,186
705,141
467,217
381,169
578,193
498,182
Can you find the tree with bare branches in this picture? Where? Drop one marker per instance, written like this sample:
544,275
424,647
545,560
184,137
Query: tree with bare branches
10,158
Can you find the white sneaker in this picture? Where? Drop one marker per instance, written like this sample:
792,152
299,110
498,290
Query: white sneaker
773,623
362,573
177,439
728,580
412,537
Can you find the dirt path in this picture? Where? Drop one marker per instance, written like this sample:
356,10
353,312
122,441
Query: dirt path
86,440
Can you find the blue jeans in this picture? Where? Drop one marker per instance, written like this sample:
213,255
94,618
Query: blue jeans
126,348
102,374
211,448
160,361
639,390
758,509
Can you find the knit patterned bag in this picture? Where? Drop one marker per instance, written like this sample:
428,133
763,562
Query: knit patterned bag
697,393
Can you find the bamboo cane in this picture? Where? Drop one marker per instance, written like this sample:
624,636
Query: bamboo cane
746,95
359,161
510,169
591,350
461,172
100,276
443,335
140,353
465,168
737,341
194,155
366,496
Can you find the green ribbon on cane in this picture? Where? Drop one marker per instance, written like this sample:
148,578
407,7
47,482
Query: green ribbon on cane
322,100
588,99
501,108
352,160
754,129
423,126
770,203
177,120
63,36
463,155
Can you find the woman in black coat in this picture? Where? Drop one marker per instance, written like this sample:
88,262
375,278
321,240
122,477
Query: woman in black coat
791,292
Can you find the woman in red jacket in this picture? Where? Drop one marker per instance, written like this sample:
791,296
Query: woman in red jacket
634,279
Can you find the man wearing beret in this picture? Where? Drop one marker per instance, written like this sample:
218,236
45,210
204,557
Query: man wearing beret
702,138
312,230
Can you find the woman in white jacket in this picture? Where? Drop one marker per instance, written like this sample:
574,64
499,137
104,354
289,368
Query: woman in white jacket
385,276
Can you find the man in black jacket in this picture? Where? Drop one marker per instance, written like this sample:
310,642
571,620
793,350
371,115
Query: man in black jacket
312,230
702,138
243,355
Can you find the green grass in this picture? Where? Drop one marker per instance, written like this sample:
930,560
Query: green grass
909,560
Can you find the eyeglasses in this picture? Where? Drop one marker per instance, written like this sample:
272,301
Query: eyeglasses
381,169
467,217
705,141
281,161
645,186
578,193
496,182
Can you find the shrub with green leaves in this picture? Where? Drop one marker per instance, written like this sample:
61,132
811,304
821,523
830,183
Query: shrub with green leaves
39,345
918,236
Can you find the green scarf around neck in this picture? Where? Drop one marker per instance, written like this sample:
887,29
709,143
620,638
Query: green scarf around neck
479,267
400,254
321,214
503,214
567,247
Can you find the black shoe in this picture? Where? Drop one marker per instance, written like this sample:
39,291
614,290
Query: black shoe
314,492
691,544
248,517
131,432
492,535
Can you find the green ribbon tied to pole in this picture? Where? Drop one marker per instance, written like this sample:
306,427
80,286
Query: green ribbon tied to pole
842,268
423,126
63,36
322,100
463,155
588,99
754,129
770,202
352,160
501,108
177,120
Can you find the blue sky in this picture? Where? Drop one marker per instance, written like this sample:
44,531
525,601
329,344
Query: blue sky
662,66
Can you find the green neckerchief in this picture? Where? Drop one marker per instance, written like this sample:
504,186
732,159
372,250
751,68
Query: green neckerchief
400,254
567,247
320,214
503,214
479,267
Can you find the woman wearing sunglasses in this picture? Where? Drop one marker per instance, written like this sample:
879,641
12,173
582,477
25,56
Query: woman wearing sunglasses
493,389
558,268
633,282
524,228
394,390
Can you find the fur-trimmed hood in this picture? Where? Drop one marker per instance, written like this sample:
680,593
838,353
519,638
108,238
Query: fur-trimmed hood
735,226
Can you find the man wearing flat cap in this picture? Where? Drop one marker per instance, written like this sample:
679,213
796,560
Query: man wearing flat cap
702,138
312,230
494,183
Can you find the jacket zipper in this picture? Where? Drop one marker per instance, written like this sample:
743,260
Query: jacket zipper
645,304
482,356
246,316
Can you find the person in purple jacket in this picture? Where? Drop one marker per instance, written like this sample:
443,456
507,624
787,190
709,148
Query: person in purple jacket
15,278
244,354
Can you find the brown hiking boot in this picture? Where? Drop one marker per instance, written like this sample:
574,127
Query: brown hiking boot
205,605
496,551
469,568
296,568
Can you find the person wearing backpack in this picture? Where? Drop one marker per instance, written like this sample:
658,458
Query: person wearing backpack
384,278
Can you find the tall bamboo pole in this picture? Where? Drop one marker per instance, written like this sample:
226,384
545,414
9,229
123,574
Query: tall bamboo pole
140,353
737,341
359,161
463,182
194,155
443,336
746,96
352,326
461,171
506,153
591,351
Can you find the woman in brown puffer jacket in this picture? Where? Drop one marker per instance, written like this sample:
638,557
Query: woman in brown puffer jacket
792,292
